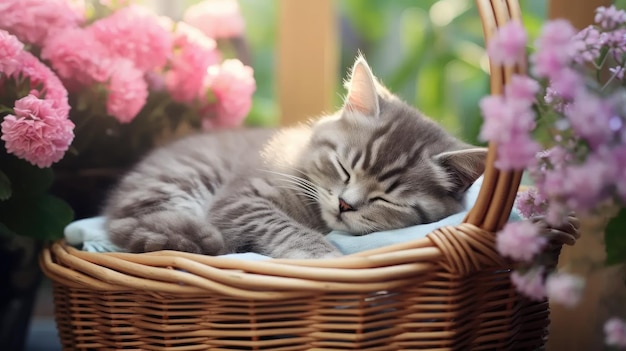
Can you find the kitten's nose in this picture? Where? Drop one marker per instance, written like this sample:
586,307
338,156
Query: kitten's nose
344,206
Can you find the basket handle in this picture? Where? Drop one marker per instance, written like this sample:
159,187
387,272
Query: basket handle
497,194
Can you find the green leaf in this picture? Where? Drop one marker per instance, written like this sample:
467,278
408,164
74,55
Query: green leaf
5,186
615,239
41,217
26,179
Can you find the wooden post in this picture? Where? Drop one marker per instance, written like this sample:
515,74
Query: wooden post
580,328
307,58
579,12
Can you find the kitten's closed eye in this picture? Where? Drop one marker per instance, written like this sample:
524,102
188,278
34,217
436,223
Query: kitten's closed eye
378,198
345,172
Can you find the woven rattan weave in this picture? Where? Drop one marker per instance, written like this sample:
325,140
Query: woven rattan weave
448,291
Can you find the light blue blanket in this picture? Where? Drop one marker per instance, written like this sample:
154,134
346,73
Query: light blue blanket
91,236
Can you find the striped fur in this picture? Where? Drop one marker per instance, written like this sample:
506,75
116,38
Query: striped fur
373,165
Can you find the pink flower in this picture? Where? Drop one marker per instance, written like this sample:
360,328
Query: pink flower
37,132
194,53
554,48
590,115
520,241
555,100
508,46
615,332
136,34
10,50
609,17
530,284
557,213
585,185
522,88
127,91
586,45
77,57
42,77
33,20
530,203
216,18
232,84
565,289
517,153
567,83
618,72
505,118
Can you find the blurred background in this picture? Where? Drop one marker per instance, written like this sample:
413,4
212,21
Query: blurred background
429,52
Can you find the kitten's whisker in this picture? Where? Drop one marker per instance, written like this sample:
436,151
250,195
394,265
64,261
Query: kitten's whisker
295,178
296,186
300,191
299,184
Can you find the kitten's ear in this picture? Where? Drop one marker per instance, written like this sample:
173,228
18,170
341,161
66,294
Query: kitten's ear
362,96
464,166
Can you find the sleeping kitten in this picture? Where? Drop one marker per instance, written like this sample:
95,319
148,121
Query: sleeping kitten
376,164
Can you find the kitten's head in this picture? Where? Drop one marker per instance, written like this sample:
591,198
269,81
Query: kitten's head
380,164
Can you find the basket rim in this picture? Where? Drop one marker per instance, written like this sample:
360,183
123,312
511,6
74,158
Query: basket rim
497,194
446,251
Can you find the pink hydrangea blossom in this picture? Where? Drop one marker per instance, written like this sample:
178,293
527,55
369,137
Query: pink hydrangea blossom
33,20
530,284
194,53
508,46
77,57
520,241
530,203
134,33
609,17
127,91
233,84
37,132
10,50
216,18
615,332
565,289
554,48
45,81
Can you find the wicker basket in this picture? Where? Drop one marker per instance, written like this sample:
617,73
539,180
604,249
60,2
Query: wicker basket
448,291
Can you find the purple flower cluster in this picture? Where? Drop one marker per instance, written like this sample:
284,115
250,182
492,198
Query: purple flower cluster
584,117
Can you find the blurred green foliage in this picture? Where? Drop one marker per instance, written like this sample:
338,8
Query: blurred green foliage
429,52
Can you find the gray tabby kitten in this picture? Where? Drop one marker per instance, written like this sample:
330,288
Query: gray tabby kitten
376,164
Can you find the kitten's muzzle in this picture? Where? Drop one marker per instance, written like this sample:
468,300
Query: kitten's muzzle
344,206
